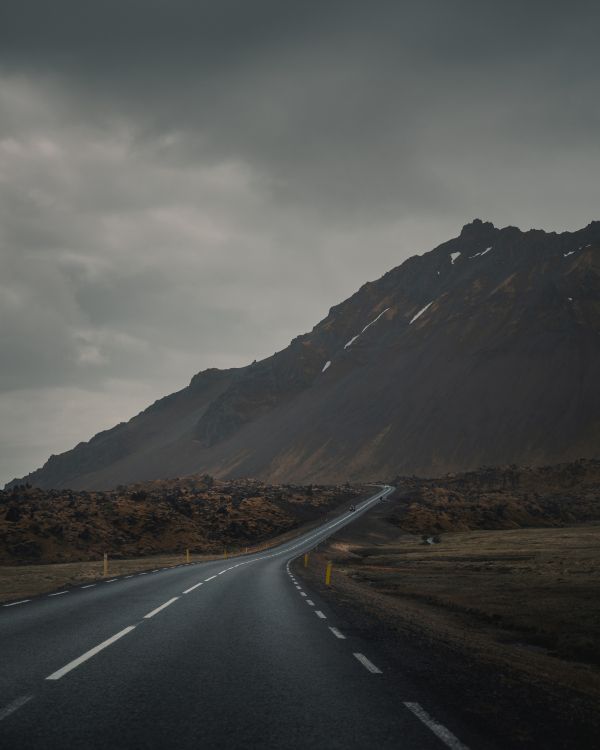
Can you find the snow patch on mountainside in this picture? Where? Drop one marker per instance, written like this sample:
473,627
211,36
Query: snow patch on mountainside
421,311
482,253
375,320
353,339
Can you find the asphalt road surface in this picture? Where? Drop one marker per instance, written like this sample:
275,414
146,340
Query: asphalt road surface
223,654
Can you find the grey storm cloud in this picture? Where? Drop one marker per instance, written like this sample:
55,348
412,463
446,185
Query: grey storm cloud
191,184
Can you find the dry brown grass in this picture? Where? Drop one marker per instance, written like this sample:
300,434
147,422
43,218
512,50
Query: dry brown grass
538,587
19,582
505,623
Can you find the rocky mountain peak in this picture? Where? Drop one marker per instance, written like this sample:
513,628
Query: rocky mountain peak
483,351
477,229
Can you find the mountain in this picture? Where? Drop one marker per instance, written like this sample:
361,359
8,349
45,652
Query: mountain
485,350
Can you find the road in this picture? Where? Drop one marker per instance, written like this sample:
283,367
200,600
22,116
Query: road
223,654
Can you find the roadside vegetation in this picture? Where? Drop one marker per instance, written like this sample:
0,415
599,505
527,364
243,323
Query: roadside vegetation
51,538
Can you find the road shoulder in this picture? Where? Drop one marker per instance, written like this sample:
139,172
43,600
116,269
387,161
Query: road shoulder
515,706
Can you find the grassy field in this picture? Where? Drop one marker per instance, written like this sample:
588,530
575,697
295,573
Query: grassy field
538,586
23,581
505,622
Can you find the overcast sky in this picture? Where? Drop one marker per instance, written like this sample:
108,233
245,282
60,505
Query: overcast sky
192,184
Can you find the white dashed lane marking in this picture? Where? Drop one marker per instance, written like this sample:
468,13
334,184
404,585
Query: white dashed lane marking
318,613
440,731
191,588
310,602
337,633
367,664
14,706
87,586
88,654
59,593
209,579
159,609
14,604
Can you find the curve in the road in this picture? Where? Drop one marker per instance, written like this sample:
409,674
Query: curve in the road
232,661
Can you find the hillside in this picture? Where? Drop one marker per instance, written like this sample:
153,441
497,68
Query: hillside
151,518
483,351
510,497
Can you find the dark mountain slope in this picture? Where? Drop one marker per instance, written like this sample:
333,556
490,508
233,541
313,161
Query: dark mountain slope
485,350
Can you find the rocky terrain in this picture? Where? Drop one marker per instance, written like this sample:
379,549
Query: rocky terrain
508,497
195,512
483,351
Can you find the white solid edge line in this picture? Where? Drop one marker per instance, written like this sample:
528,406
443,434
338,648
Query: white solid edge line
318,613
14,604
367,664
191,588
209,579
59,593
14,706
440,731
162,606
88,654
337,633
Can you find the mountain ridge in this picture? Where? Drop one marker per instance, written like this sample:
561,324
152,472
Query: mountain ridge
407,375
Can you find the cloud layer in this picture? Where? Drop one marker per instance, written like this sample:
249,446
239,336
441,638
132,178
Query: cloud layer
185,185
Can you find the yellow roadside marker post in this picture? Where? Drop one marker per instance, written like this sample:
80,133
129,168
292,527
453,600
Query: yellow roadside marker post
306,560
328,574
105,564
187,555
